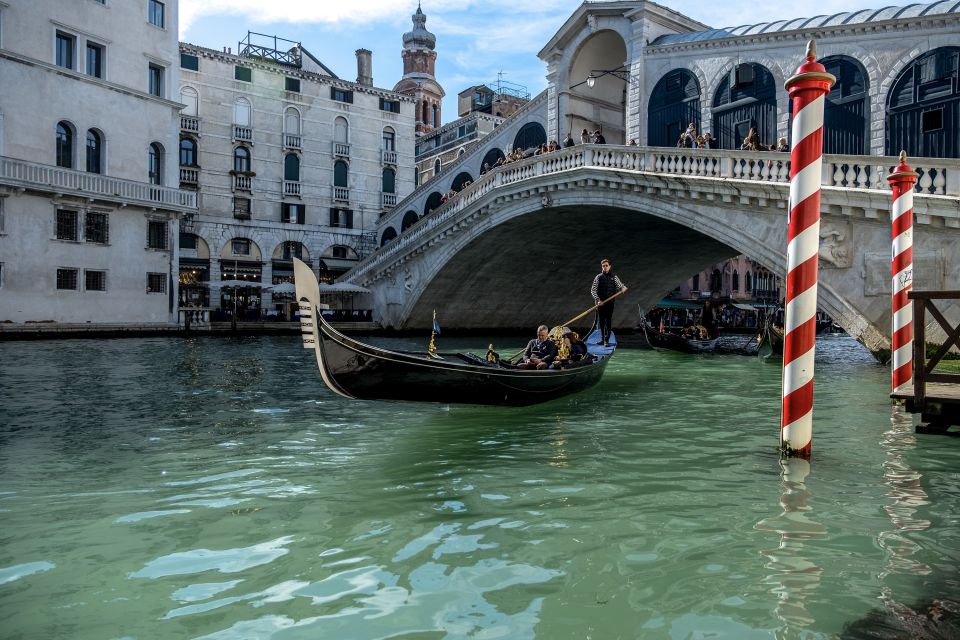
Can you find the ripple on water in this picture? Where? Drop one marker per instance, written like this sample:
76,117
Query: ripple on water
9,574
224,561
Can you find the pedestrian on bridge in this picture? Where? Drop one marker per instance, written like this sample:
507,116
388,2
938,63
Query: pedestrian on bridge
605,284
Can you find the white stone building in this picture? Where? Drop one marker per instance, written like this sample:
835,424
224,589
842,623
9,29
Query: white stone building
289,160
89,204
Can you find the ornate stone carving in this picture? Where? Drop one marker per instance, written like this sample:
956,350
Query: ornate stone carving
835,249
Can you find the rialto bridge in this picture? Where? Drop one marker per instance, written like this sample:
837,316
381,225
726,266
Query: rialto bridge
520,245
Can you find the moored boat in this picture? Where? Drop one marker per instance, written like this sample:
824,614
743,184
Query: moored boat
356,370
675,342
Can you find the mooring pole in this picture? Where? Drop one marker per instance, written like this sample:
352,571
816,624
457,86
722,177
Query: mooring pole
902,181
808,89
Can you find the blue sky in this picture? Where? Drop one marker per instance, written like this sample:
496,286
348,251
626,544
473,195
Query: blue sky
475,38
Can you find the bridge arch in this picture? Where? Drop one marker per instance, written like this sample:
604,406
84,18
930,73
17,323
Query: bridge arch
388,234
745,98
674,103
603,105
409,219
923,106
491,157
530,136
434,200
462,178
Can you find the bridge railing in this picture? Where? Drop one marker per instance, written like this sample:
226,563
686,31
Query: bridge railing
939,176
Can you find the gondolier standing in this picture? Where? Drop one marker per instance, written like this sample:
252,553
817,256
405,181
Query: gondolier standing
605,285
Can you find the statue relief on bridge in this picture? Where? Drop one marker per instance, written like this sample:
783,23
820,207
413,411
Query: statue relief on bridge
835,249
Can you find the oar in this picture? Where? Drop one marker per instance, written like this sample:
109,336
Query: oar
574,319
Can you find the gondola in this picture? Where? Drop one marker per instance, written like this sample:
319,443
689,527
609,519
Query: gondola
355,370
769,340
674,342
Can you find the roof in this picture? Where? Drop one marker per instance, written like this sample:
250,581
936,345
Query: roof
838,19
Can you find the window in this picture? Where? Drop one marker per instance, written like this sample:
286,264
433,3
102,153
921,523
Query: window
241,112
461,131
748,283
188,152
339,252
241,207
96,229
244,74
155,15
735,280
341,95
188,240
191,101
389,140
342,218
95,280
393,106
67,225
436,166
64,145
64,50
932,120
155,79
290,212
340,177
94,152
94,60
291,249
696,283
156,283
156,234
292,84
189,62
416,177
67,279
155,163
240,247
389,182
241,160
291,121
341,130
291,168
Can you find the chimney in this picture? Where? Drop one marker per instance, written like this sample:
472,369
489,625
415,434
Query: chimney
365,67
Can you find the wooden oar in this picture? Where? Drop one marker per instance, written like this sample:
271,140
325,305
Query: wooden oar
574,319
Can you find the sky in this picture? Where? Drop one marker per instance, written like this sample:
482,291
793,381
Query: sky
476,39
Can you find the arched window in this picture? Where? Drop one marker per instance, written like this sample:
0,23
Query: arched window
340,175
530,136
64,145
291,249
436,117
696,282
388,234
923,106
490,159
735,285
462,178
188,152
716,280
674,103
746,98
748,281
190,100
94,152
409,219
341,130
436,167
434,200
155,163
291,167
416,177
241,112
389,181
291,122
241,160
389,139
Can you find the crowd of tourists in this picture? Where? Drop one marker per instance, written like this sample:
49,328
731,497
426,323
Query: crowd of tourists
690,139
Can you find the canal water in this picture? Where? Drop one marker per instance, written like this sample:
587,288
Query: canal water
212,488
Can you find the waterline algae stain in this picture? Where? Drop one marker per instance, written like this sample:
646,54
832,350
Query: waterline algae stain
214,489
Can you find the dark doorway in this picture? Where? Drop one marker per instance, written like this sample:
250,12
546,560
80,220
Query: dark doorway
747,97
674,103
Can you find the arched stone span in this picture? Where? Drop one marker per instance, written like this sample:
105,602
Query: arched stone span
491,157
388,234
462,178
602,106
530,136
434,200
409,219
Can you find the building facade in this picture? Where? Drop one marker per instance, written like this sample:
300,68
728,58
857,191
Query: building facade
89,198
289,161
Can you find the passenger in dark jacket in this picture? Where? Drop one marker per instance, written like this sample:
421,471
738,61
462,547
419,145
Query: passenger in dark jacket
577,352
540,352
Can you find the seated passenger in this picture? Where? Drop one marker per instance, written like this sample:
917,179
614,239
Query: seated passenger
540,352
577,353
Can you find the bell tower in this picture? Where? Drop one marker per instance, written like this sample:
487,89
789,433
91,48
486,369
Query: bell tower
419,82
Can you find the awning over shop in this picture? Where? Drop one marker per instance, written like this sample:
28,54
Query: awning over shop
667,303
336,264
343,287
745,307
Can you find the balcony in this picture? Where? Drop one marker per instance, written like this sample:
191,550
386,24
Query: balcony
291,141
242,183
190,124
341,194
291,188
341,149
388,200
242,134
389,157
46,178
189,176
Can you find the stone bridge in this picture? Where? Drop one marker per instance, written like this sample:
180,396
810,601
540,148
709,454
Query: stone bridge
521,245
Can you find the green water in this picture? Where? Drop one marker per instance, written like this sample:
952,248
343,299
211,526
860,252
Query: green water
167,488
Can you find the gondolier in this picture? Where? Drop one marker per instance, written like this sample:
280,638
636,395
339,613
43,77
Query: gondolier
605,285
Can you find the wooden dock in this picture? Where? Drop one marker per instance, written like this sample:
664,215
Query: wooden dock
935,396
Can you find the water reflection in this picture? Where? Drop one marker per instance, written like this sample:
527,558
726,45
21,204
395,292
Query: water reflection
793,577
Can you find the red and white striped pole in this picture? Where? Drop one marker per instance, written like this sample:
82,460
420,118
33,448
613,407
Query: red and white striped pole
902,180
808,88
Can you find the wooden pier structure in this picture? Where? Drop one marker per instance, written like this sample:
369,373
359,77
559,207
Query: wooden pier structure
935,396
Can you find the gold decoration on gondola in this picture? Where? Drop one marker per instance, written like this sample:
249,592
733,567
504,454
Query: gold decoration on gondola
432,347
563,349
492,356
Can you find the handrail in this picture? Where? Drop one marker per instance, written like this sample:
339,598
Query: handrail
923,368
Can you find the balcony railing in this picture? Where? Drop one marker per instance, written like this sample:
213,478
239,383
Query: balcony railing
242,183
388,200
242,134
291,141
35,176
190,124
341,193
189,176
389,157
341,149
291,188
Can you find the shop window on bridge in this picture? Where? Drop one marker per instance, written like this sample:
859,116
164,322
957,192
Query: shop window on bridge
409,219
846,114
530,136
923,107
747,97
674,103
